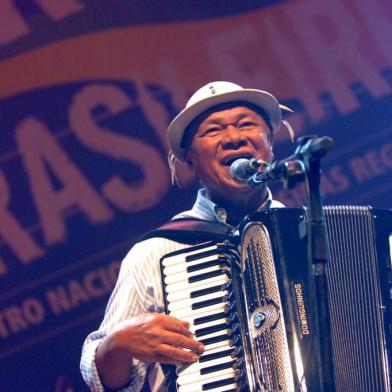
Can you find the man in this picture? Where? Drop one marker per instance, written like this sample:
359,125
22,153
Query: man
221,122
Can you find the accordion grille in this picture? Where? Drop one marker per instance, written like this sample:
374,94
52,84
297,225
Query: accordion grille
356,311
269,348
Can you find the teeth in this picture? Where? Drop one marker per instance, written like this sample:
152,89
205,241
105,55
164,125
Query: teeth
231,160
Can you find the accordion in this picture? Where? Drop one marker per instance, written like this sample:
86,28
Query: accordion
250,303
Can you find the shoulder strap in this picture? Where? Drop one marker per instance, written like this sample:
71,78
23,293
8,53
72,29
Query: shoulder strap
191,231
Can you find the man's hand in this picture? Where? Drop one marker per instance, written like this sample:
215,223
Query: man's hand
150,338
157,338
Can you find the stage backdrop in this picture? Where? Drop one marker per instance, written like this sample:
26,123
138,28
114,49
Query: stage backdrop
87,90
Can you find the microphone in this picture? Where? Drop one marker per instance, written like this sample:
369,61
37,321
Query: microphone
246,170
288,170
242,169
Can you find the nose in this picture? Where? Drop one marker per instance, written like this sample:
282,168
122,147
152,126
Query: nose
233,137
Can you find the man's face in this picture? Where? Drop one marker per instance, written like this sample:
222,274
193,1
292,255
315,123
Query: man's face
221,138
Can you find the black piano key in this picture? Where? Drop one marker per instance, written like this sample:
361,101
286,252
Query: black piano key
215,339
207,330
210,357
210,317
208,290
216,384
208,302
213,328
200,266
198,278
215,368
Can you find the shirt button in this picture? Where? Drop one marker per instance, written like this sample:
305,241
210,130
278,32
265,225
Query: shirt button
222,214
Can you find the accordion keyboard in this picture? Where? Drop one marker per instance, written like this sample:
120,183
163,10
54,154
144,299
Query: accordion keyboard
199,289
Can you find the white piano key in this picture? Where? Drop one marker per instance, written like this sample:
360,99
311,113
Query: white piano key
186,293
224,388
187,303
197,366
182,267
190,380
189,287
210,348
187,313
184,276
225,345
200,313
214,334
180,258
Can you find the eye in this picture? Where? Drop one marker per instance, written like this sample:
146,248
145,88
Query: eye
211,131
246,124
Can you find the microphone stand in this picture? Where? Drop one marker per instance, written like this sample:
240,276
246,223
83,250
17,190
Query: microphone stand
304,165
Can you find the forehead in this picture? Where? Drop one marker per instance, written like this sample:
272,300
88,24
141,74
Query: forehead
228,114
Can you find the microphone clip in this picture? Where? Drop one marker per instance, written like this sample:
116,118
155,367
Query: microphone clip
288,171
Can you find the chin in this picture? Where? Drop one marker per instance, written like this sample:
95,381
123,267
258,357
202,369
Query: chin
238,188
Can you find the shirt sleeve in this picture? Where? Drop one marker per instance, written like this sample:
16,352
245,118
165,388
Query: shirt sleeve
137,291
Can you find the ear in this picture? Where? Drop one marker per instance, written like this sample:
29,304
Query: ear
188,159
271,146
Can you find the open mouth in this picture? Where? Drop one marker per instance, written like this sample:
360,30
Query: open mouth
230,160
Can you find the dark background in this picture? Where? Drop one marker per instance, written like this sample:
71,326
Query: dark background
87,89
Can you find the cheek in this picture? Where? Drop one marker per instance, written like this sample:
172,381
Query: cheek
264,146
202,153
270,154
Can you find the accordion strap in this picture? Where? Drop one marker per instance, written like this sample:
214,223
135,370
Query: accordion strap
191,231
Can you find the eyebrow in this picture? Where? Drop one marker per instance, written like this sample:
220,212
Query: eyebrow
238,117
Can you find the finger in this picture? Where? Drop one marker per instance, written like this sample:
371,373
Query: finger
179,329
175,325
170,361
182,341
175,355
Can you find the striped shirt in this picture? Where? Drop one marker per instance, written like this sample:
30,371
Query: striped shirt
139,290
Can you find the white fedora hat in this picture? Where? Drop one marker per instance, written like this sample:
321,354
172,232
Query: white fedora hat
216,93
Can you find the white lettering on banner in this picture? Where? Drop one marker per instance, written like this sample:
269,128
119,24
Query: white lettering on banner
60,9
156,115
289,59
366,166
128,197
41,153
18,317
222,49
373,163
379,22
179,97
334,181
314,62
158,118
13,26
95,284
19,240
3,267
15,319
338,56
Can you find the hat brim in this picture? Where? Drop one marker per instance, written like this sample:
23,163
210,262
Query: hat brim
260,98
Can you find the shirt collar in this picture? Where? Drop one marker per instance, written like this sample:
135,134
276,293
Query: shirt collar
211,211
